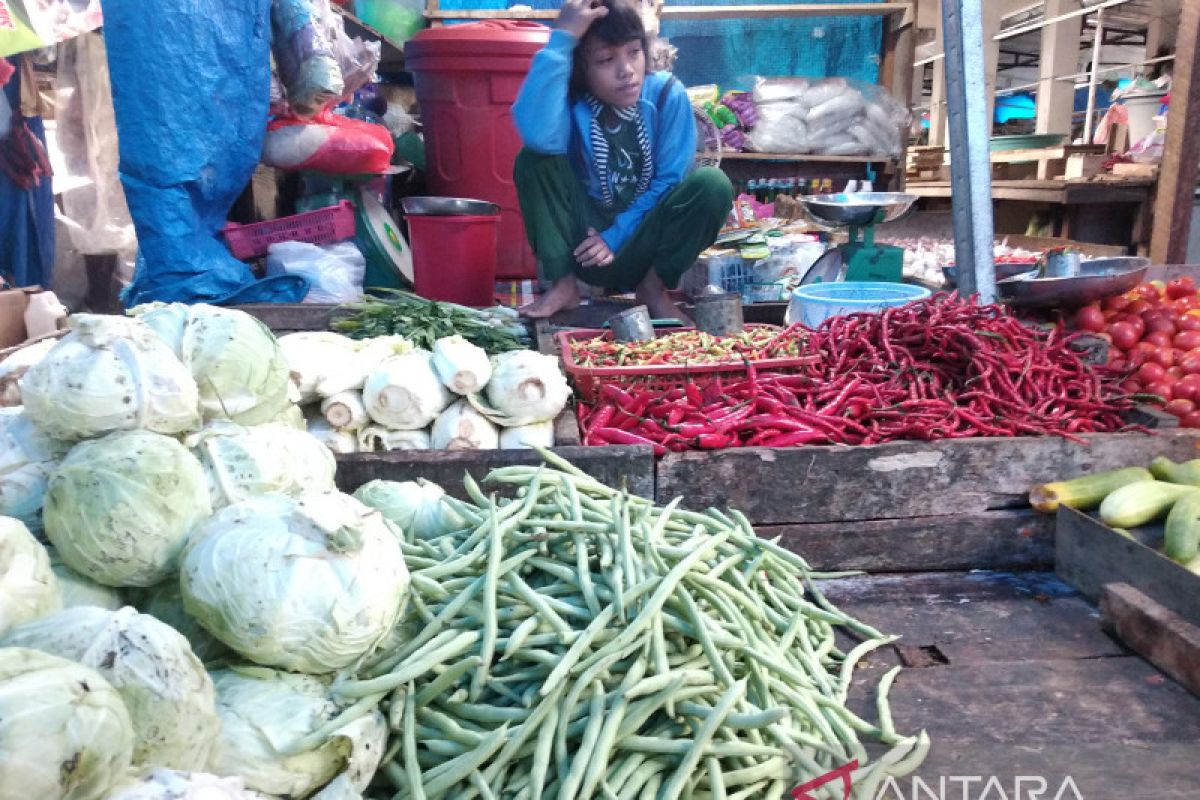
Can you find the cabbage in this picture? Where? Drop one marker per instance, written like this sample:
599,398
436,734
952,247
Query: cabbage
240,370
307,584
27,457
337,441
241,463
164,602
321,360
415,507
405,393
526,387
165,688
118,508
109,374
64,730
292,417
28,588
168,784
265,713
16,365
80,590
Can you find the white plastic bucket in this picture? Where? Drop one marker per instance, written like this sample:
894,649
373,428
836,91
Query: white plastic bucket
1142,108
812,305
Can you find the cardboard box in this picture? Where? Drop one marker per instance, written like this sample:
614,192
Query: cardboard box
13,303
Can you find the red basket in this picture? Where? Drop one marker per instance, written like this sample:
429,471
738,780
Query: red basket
659,376
323,226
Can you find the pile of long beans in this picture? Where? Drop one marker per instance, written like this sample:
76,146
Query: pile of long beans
575,641
944,368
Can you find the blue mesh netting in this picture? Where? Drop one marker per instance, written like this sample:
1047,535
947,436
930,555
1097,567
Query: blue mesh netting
729,52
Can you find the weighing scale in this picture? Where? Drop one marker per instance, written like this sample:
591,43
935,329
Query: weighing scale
860,259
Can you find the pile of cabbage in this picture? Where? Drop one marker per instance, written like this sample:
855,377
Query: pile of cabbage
180,580
385,394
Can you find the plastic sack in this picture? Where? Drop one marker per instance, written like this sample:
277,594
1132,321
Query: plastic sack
832,116
34,24
190,110
87,141
328,143
304,54
335,271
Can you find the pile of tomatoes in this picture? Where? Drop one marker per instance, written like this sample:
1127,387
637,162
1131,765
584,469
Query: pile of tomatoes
1155,335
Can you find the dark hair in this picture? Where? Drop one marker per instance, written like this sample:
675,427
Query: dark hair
622,24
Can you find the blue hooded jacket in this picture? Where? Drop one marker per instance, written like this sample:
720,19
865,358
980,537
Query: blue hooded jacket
551,125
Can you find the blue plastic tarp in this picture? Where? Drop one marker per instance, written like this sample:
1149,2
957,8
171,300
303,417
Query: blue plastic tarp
191,84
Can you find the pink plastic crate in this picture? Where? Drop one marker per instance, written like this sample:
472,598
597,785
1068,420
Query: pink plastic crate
323,226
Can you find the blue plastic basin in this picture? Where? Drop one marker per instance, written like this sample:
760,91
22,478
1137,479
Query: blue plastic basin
812,305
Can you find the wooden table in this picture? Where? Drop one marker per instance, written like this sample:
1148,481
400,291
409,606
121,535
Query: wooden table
1101,210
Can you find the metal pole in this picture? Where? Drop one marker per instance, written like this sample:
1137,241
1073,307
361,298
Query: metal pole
970,137
1093,73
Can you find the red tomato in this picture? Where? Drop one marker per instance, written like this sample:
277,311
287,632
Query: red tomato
1131,387
1118,302
1185,304
1090,318
1163,356
1191,380
1191,420
1181,407
1139,325
1123,335
1185,391
1161,323
1158,338
1190,362
1150,373
1188,322
1181,287
1160,389
1145,291
1187,340
1139,306
1175,372
1117,364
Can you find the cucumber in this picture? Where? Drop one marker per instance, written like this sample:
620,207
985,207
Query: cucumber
1086,492
1187,473
1142,502
1183,530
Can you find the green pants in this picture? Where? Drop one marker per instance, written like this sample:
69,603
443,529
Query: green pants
558,212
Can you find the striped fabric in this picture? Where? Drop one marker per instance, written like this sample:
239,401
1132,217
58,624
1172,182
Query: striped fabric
600,146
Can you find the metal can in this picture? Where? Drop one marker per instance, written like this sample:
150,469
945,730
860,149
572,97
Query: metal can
719,314
632,325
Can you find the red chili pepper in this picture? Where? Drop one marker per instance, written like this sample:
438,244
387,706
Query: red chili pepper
617,436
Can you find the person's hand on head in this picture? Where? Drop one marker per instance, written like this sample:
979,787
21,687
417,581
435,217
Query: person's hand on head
576,16
593,251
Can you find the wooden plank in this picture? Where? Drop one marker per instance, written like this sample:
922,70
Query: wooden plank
899,51
989,540
1177,184
629,467
438,15
904,479
291,317
807,157
1089,554
1163,638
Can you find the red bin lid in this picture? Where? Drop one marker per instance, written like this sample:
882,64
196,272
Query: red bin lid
498,37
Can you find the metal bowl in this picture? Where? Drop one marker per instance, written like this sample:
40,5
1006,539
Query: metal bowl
448,207
857,208
1098,278
1003,271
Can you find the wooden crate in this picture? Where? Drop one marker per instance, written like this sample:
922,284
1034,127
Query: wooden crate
906,506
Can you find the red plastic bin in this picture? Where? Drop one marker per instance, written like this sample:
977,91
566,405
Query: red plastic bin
323,226
660,377
454,257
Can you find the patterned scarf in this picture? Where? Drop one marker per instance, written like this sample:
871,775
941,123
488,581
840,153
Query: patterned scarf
600,145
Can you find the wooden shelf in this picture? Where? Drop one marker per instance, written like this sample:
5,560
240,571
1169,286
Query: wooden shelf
391,54
869,159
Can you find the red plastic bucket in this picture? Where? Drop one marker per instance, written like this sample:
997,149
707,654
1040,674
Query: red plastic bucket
454,257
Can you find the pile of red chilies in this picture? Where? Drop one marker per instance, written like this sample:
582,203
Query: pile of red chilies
942,368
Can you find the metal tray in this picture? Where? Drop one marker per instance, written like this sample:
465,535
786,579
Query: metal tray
857,208
1098,278
448,207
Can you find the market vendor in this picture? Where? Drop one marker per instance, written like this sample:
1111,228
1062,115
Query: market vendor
605,180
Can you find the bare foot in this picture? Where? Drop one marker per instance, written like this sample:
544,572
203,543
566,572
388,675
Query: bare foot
563,295
652,293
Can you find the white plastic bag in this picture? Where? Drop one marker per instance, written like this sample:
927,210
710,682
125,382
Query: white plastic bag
335,270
